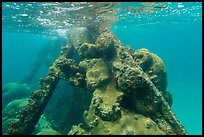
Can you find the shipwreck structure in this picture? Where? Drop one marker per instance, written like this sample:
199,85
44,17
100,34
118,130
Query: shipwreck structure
128,88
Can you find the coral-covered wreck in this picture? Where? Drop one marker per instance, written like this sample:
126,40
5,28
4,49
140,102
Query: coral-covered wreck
128,90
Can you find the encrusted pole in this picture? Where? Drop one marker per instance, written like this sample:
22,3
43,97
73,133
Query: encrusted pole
64,68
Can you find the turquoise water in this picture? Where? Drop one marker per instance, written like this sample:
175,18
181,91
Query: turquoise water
176,37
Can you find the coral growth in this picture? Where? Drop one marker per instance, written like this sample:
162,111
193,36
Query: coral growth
12,91
97,73
13,107
128,124
153,66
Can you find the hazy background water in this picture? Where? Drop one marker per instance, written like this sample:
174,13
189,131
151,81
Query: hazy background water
179,44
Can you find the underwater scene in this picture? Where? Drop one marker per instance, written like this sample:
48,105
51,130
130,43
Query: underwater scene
101,68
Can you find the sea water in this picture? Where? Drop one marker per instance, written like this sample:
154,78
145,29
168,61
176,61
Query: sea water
174,34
